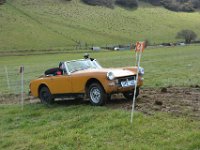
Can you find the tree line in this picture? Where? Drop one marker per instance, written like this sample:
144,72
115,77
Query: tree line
181,5
174,5
177,5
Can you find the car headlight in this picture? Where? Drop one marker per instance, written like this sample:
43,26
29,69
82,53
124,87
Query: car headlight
110,75
141,71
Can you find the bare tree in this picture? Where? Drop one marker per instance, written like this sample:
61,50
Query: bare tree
186,34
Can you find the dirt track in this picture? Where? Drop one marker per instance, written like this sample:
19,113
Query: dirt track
179,101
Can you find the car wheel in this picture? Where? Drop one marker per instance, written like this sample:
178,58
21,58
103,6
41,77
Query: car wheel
46,96
129,95
97,94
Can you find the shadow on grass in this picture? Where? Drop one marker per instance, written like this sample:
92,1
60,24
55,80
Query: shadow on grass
116,102
69,102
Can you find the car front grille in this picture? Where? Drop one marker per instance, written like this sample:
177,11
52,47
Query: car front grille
123,79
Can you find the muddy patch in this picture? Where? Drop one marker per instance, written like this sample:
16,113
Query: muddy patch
178,101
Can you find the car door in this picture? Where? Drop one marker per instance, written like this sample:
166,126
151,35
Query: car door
60,84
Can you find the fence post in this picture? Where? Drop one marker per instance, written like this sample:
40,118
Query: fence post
22,86
7,78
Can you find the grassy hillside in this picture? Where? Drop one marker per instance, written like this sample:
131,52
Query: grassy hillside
51,24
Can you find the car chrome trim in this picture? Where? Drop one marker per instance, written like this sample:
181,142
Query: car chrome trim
67,70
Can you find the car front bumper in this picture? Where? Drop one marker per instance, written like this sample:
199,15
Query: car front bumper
115,86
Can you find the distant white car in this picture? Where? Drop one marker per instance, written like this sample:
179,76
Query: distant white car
116,48
182,44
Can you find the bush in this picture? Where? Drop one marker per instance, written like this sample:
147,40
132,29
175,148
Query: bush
187,7
2,2
178,5
186,34
127,3
147,43
196,3
155,2
106,3
171,5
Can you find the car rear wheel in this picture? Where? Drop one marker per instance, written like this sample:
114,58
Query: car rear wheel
97,94
46,96
129,95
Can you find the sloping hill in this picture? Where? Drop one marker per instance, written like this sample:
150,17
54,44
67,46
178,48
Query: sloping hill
57,24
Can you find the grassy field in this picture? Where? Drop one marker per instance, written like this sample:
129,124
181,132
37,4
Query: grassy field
55,26
165,66
86,127
71,126
50,25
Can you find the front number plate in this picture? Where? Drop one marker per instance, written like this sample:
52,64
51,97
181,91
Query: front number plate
128,83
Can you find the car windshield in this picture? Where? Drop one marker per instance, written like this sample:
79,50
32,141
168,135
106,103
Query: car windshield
83,64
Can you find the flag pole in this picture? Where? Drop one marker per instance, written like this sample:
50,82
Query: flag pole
135,90
136,61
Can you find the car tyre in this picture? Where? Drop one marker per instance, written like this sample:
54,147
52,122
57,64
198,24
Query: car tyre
129,95
46,96
96,94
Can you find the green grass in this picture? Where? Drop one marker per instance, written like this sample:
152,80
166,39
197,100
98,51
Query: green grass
50,24
55,25
87,127
170,66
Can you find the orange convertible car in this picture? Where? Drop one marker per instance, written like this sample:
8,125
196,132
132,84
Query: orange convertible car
85,78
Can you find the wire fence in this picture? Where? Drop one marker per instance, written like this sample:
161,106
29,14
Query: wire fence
10,78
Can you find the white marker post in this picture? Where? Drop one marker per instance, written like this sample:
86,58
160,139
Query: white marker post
139,49
7,78
21,71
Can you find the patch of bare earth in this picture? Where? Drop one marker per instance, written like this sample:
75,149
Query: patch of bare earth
16,99
179,101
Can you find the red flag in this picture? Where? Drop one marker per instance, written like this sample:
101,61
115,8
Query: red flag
139,46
